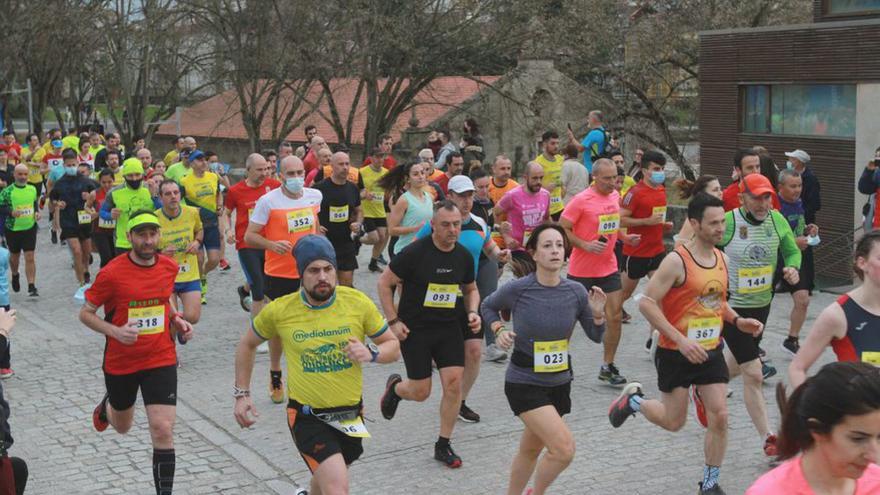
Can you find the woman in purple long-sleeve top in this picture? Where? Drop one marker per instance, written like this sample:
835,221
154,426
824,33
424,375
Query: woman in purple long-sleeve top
545,308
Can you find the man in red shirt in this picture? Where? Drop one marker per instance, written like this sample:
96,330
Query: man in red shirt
136,292
643,212
454,166
745,162
386,142
241,199
310,162
13,149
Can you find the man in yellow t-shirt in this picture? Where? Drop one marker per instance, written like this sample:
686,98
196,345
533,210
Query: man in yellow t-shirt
201,189
323,327
373,202
181,239
551,161
173,156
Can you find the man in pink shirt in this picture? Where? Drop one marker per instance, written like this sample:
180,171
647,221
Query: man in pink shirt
526,207
592,222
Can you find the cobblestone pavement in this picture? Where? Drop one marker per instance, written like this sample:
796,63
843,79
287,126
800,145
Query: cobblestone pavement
58,381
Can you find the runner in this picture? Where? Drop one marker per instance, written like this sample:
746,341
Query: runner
19,205
373,200
686,301
412,208
454,166
792,208
140,353
201,188
30,156
341,216
474,236
753,236
181,239
176,171
432,271
122,201
113,165
73,197
745,162
54,161
551,161
592,222
705,183
280,218
102,230
499,185
851,325
323,327
386,143
643,212
241,199
828,436
524,208
537,383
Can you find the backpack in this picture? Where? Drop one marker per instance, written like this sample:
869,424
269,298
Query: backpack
606,149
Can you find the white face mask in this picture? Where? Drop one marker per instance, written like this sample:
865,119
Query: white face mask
789,165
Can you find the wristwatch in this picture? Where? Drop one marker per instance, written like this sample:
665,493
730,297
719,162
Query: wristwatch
374,350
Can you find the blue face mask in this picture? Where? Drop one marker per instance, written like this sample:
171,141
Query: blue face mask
295,184
789,165
70,170
658,177
57,143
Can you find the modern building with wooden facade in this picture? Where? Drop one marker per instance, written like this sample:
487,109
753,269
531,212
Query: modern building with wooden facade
814,87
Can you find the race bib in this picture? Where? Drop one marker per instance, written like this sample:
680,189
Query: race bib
753,280
106,224
353,427
551,356
441,296
25,211
871,357
339,214
659,210
555,200
706,331
300,220
149,320
183,268
84,217
609,224
33,171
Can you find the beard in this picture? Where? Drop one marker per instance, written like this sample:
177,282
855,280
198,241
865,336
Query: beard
321,293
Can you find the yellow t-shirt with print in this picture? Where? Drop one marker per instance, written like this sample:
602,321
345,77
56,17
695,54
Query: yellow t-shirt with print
33,164
553,173
170,158
201,191
373,208
319,373
179,232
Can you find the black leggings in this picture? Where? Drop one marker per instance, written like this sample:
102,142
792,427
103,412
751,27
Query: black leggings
103,241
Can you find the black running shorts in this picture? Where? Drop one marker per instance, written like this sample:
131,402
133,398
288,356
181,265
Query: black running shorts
524,397
443,346
158,386
674,370
317,441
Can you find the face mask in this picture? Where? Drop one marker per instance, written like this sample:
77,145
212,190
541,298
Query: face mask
134,184
658,177
56,143
70,170
215,166
789,165
295,184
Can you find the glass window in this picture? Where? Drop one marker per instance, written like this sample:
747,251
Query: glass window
805,110
851,6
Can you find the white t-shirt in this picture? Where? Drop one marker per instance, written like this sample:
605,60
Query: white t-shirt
276,200
574,179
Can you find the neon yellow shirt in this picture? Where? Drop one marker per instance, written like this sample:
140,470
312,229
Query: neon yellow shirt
71,142
319,373
201,191
553,173
170,158
179,232
373,208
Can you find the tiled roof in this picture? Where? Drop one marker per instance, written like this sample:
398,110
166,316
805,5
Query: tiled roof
219,116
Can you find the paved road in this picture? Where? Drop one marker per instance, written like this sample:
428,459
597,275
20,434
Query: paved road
58,381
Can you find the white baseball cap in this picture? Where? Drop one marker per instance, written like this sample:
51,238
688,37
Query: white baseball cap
461,184
801,155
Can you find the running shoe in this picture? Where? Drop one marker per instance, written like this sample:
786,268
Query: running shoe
16,283
381,260
495,354
374,266
770,449
204,300
276,388
32,291
761,352
767,370
6,373
467,414
791,345
444,454
699,407
611,375
80,294
620,409
224,265
625,317
715,490
87,277
390,400
54,237
99,415
263,348
243,297
42,201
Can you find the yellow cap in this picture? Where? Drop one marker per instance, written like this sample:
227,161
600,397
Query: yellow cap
146,218
132,166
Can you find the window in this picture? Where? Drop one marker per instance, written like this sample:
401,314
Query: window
851,6
805,110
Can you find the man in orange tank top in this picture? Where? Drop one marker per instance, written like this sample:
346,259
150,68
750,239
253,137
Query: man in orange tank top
686,300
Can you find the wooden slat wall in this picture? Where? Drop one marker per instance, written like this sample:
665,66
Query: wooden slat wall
808,56
819,14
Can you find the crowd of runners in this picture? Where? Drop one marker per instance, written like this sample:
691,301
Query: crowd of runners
442,228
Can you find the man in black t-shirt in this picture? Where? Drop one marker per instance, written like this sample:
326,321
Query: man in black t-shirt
74,195
341,216
434,272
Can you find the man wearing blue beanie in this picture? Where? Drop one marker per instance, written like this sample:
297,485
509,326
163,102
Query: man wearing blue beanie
322,328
